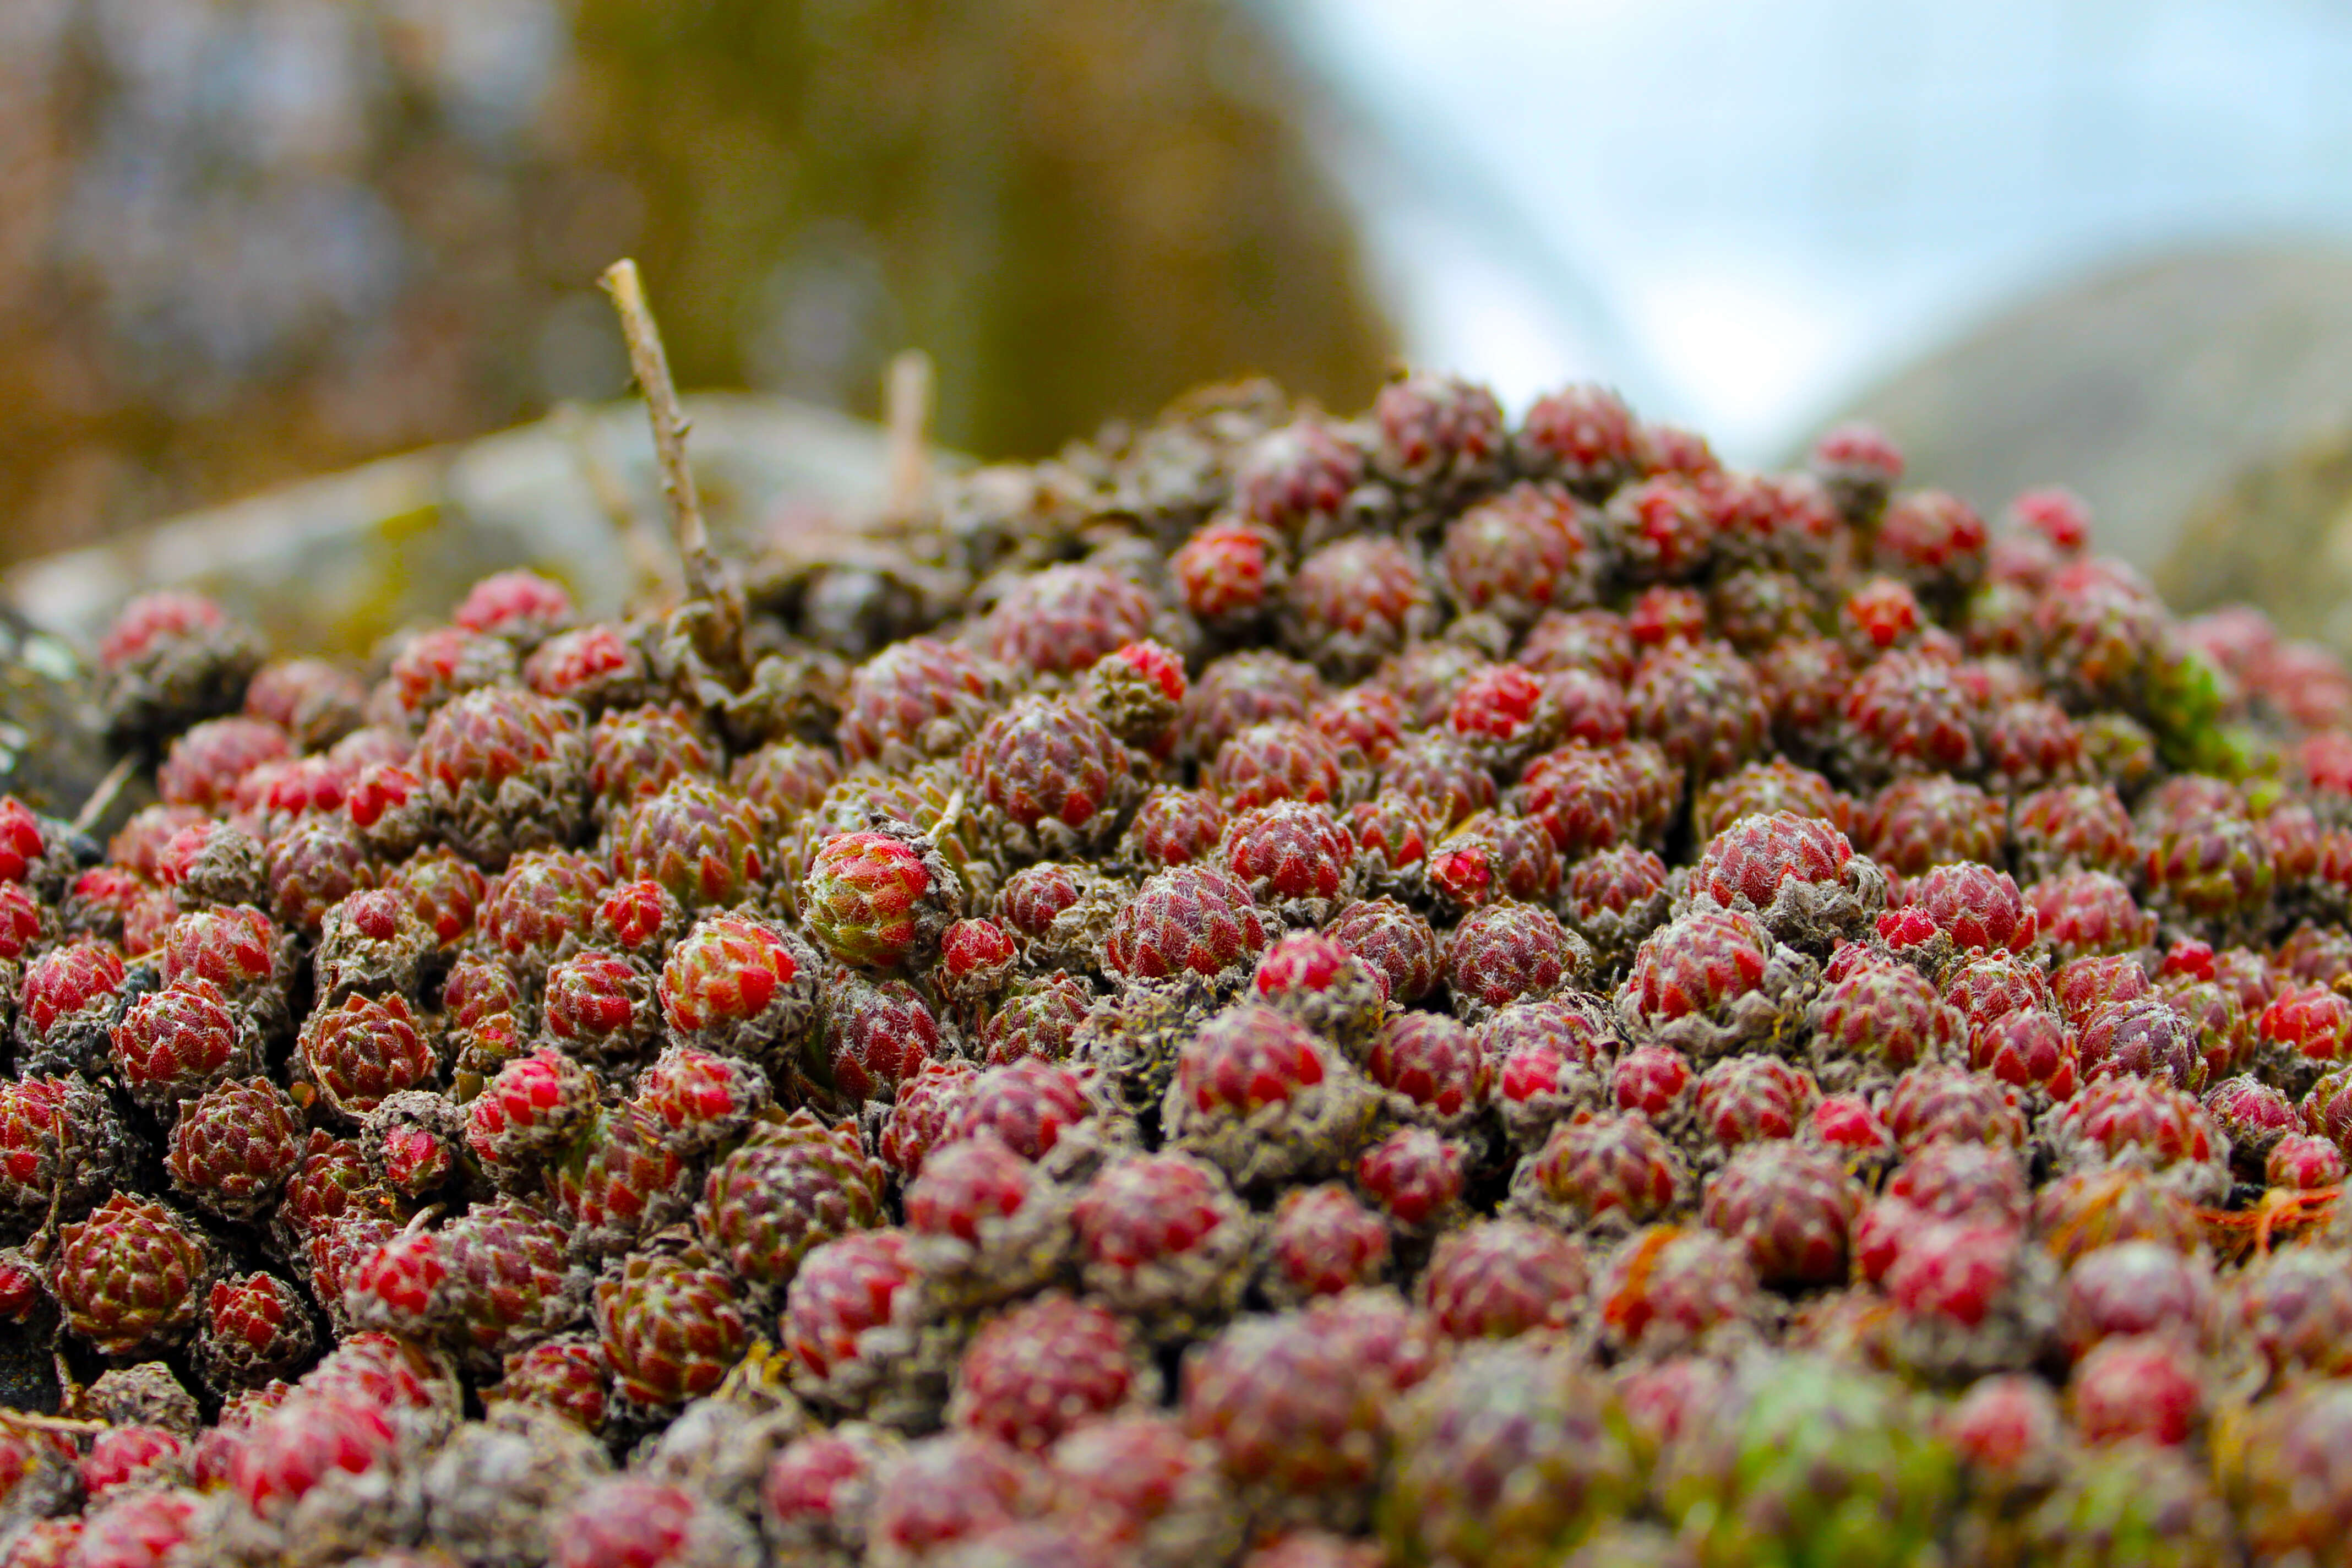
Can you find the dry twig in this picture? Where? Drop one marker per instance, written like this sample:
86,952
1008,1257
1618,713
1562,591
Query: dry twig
907,400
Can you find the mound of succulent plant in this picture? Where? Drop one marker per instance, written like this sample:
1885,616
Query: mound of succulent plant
1408,991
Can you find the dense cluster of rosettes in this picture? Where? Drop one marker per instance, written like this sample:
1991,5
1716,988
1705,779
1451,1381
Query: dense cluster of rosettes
1417,991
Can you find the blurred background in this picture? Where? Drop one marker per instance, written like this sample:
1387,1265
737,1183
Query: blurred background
245,243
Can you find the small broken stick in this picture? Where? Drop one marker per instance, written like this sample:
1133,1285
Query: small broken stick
705,579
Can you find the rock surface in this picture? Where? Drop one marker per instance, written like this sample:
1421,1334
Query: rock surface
2199,401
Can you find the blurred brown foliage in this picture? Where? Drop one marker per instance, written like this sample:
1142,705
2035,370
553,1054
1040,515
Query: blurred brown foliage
246,240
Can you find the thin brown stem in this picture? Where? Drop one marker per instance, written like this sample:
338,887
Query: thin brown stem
104,795
651,365
46,1237
906,406
37,1422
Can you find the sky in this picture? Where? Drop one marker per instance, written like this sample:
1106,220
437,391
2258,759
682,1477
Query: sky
1742,213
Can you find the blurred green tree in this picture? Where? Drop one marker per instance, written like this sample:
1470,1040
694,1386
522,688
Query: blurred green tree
245,240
